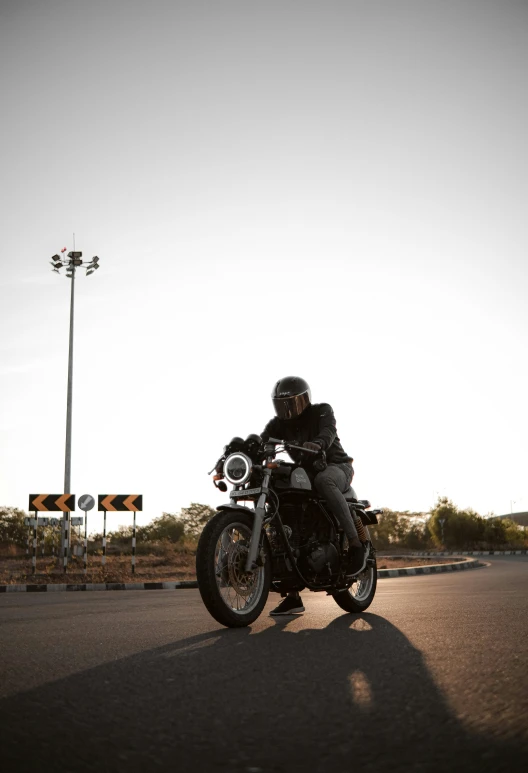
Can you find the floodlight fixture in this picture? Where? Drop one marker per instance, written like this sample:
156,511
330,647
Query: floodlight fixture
89,271
75,255
55,258
95,259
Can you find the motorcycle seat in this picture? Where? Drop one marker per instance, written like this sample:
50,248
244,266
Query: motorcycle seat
350,496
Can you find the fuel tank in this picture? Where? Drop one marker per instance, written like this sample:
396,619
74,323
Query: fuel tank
287,478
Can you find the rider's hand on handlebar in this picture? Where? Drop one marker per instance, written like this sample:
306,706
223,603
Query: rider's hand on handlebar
312,446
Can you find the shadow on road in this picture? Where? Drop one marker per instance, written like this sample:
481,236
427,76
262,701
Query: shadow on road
353,696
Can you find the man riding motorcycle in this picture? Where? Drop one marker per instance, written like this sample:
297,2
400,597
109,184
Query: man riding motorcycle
314,427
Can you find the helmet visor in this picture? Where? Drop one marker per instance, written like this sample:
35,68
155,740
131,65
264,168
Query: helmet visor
291,407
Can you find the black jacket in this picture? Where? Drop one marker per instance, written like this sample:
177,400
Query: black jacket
317,423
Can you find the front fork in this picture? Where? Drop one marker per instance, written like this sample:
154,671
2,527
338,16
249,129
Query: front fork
260,513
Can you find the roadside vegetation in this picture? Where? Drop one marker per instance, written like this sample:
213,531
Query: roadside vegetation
446,527
166,547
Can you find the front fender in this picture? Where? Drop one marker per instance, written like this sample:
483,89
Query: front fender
235,508
259,513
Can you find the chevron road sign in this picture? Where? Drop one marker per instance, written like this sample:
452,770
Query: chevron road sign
64,503
120,502
52,502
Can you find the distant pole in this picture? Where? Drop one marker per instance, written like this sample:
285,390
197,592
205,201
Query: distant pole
66,541
85,542
34,556
442,521
103,557
134,545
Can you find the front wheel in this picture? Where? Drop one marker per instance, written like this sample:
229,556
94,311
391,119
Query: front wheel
361,593
233,596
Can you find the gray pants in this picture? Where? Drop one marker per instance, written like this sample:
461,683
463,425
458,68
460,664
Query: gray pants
331,484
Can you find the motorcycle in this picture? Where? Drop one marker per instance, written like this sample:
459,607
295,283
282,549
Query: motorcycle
283,537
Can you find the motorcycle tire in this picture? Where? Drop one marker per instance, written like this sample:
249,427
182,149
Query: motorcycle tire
359,597
222,580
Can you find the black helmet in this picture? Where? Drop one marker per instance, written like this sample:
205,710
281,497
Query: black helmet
291,396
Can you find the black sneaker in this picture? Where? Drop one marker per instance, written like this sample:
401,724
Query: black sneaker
291,605
355,559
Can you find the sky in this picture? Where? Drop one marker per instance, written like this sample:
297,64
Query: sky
336,190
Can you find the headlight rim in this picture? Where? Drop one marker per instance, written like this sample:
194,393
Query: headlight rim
247,475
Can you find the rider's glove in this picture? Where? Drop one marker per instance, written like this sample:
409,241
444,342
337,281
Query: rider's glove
311,446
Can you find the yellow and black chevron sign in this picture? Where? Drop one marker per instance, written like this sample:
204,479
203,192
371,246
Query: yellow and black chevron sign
52,502
110,502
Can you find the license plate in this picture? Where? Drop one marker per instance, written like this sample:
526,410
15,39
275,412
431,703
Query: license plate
248,492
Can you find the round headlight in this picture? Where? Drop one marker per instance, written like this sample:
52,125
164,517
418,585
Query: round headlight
237,469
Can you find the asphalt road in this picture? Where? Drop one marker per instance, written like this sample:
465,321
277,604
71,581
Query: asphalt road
432,678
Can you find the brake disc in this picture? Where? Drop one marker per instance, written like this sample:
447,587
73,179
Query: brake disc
242,581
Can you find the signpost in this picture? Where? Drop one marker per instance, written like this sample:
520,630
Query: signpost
52,503
120,503
34,523
86,502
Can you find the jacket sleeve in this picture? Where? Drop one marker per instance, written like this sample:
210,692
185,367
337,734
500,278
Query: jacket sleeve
327,431
269,430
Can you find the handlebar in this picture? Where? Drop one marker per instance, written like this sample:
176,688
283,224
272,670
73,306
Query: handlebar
319,463
303,449
272,441
277,442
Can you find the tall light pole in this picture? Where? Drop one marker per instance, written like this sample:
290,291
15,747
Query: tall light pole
71,263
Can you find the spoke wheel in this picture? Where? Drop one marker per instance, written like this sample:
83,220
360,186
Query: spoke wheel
233,596
360,595
240,590
362,587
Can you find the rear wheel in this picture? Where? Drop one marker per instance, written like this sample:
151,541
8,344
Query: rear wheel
361,593
233,596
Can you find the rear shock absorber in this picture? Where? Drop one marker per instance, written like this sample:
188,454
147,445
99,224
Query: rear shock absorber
360,528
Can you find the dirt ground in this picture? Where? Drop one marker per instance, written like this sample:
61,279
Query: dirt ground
180,566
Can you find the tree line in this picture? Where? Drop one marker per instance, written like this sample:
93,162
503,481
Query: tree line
174,528
444,527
